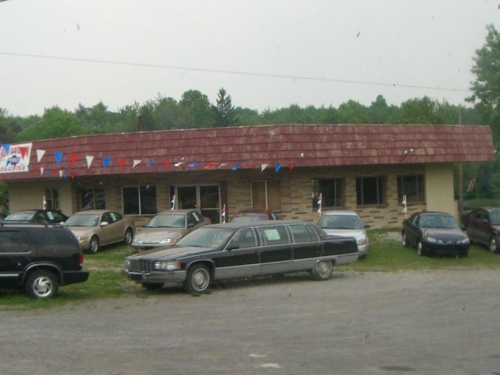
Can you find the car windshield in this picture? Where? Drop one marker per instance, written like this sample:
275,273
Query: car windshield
439,221
20,216
167,221
207,237
341,222
248,218
495,218
83,220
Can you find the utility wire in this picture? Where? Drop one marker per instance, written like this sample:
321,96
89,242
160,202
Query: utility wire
234,72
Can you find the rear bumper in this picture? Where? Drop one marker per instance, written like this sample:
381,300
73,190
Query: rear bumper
73,277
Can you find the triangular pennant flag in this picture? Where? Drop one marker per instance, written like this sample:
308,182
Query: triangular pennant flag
90,159
236,167
291,166
39,155
121,162
193,165
105,162
61,173
24,151
136,163
58,155
277,167
166,164
41,171
209,166
72,158
262,167
150,162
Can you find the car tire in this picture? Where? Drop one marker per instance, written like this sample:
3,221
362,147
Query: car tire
493,245
198,279
129,236
420,249
41,285
404,240
94,244
323,270
152,286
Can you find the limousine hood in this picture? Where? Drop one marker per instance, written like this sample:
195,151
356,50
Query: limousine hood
171,253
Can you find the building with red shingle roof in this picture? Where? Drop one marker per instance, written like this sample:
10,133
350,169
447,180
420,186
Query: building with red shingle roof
366,168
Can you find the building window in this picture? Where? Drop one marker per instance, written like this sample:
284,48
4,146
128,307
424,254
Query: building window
332,191
51,198
139,200
370,190
266,195
413,187
92,199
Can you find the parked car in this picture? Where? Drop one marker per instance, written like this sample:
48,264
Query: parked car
247,216
483,226
96,228
37,216
435,233
167,228
39,258
238,250
347,224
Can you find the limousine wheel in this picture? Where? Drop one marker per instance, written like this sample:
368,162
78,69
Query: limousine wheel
198,279
41,285
323,270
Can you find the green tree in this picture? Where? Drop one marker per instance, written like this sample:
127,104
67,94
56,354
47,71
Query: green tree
224,111
421,111
196,110
55,123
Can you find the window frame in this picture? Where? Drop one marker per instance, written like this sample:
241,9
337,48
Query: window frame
140,198
420,195
339,193
381,191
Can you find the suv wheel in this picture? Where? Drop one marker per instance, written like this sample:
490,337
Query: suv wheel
41,285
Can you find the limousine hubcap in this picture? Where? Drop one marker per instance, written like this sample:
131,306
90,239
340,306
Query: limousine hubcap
323,270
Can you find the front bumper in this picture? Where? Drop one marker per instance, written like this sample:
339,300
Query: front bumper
446,249
156,277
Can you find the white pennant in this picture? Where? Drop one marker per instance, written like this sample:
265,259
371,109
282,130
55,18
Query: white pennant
136,162
39,155
61,172
41,171
262,167
90,159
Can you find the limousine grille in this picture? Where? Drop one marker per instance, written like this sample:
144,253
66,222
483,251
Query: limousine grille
140,266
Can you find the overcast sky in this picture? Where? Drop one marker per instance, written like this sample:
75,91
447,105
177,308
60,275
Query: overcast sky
265,53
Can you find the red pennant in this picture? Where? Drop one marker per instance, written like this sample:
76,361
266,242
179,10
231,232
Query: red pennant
72,158
166,164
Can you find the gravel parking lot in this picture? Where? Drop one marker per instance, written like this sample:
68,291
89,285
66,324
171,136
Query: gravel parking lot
437,322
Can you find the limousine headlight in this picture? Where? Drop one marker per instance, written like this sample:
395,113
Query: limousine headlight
167,266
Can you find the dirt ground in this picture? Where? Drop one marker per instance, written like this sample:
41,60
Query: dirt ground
436,322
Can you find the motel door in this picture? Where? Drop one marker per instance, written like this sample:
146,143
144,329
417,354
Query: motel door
205,198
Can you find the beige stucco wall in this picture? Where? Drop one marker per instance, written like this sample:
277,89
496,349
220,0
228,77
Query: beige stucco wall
440,189
296,190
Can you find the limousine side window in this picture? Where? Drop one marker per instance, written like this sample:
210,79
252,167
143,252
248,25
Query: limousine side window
303,233
243,239
11,241
274,235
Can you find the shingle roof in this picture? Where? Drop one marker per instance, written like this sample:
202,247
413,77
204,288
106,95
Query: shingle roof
254,146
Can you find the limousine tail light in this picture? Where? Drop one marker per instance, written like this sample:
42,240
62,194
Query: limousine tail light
167,266
80,258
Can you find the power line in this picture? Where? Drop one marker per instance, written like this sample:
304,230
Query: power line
233,72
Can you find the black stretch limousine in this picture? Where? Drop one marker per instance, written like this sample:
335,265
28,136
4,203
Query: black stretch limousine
237,250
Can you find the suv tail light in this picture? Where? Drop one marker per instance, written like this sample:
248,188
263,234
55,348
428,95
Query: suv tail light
80,258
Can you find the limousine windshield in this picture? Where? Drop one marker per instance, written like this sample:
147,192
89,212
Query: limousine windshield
206,237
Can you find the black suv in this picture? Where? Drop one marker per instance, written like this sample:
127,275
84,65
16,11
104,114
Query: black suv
39,258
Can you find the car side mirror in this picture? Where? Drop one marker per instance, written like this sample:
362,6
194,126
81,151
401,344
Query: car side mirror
232,246
191,225
104,223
